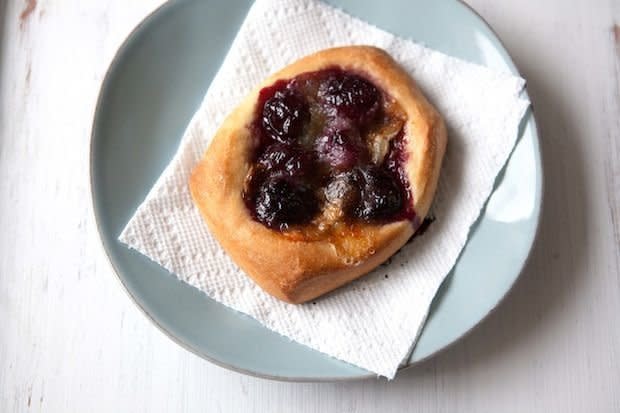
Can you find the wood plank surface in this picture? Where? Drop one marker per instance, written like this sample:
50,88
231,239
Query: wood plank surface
72,341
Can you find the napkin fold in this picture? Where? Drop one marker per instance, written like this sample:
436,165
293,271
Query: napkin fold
373,322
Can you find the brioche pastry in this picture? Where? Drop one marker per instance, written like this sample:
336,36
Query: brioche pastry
323,172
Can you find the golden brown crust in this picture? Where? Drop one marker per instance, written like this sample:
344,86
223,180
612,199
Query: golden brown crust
300,270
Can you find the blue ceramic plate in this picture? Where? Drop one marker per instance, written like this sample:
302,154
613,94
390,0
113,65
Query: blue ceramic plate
154,85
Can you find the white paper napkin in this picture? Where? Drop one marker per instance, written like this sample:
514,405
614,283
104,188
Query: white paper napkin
374,321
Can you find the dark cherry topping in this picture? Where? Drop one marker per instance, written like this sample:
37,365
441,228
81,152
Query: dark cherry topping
381,196
284,115
281,202
322,146
341,150
394,163
290,160
352,96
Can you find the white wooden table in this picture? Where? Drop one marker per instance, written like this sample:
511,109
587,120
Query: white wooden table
72,341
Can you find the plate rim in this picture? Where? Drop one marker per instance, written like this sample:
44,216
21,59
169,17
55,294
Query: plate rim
95,215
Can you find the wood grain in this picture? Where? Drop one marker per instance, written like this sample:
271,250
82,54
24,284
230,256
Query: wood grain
71,340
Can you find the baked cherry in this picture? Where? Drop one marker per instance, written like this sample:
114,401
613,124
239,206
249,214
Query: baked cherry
351,95
286,159
395,157
281,203
284,115
340,149
381,197
314,153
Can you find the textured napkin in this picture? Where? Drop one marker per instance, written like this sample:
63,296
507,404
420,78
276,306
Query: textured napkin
373,322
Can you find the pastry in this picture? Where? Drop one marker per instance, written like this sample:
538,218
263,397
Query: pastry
322,173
